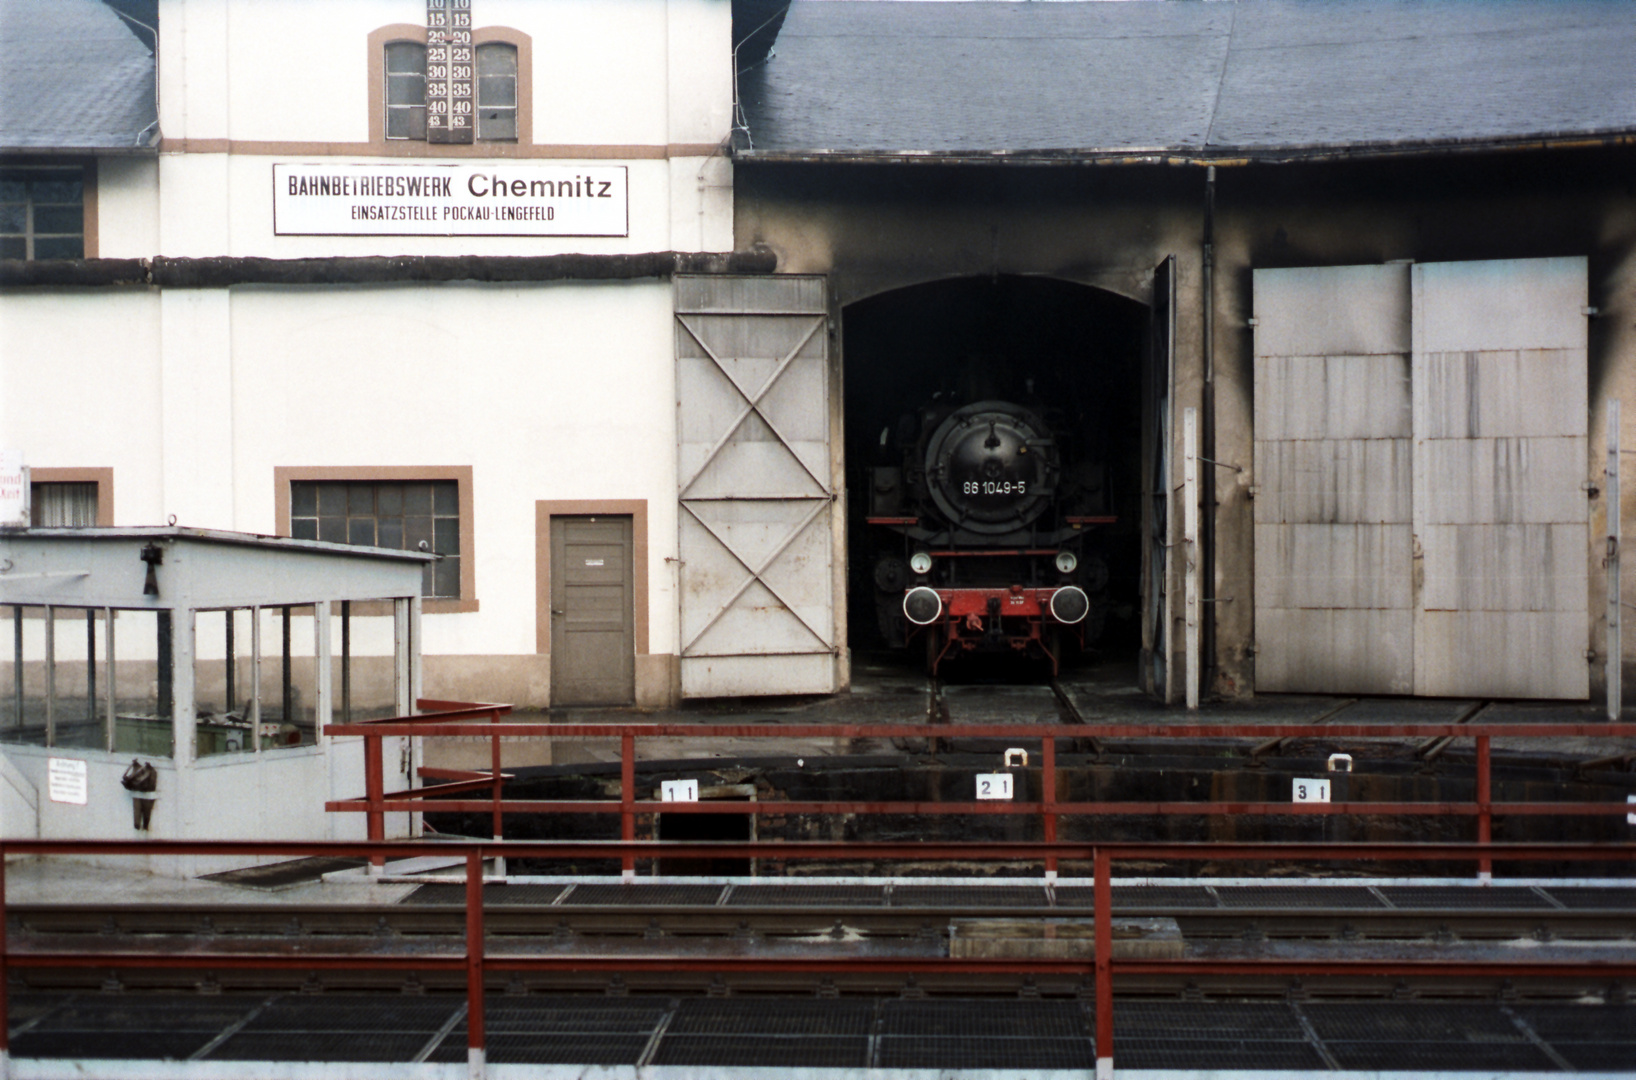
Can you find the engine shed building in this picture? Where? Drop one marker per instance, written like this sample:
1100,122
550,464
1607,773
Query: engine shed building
622,347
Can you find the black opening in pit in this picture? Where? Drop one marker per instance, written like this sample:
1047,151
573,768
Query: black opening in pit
704,827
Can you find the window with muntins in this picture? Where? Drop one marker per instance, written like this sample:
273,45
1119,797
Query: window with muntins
421,91
42,213
497,92
406,515
405,90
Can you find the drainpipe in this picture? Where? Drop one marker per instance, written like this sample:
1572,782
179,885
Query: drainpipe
1207,436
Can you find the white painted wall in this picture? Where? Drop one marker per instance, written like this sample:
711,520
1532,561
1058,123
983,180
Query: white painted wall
606,72
623,82
193,396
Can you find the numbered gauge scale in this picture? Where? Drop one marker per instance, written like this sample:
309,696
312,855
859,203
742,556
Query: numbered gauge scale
451,73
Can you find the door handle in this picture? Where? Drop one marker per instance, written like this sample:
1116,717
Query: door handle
558,611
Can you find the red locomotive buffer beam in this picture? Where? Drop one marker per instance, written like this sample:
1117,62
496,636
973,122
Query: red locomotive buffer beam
964,619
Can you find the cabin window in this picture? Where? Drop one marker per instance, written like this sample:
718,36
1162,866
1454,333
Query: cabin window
42,213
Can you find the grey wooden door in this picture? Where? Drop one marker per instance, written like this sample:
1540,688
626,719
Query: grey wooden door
1420,448
1334,538
1500,405
1158,394
593,637
756,520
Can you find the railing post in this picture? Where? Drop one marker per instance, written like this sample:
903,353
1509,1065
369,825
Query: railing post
475,1035
5,1010
627,800
1485,800
1612,500
1048,799
375,798
494,765
1104,964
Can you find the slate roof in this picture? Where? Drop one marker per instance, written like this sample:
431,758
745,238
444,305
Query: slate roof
871,79
73,78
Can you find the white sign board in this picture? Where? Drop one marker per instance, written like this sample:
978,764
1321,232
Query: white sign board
67,780
13,488
1310,791
679,791
995,786
450,200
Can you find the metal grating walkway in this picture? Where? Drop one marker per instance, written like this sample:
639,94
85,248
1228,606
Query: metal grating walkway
848,1033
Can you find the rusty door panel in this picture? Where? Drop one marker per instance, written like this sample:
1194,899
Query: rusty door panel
1350,566
1500,405
755,486
1334,471
1332,311
1333,481
1336,651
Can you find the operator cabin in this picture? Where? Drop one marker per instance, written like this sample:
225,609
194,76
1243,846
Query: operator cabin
1381,256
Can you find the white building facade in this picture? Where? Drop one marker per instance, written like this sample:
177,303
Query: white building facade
466,343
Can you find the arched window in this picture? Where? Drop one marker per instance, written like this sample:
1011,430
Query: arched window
405,74
497,91
405,90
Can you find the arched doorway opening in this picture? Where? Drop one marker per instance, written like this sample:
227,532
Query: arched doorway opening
948,379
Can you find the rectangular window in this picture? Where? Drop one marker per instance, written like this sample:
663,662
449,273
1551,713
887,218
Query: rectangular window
42,213
405,90
497,92
406,515
62,505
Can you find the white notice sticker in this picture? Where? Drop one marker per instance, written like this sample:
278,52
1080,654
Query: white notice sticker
995,786
1310,791
593,562
13,488
679,791
67,780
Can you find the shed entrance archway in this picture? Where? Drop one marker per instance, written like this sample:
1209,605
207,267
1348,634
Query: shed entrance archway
1064,361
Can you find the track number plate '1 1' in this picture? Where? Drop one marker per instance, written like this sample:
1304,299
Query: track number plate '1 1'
995,786
678,791
1310,791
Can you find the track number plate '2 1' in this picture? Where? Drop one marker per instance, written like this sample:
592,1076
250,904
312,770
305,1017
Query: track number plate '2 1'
995,786
1310,791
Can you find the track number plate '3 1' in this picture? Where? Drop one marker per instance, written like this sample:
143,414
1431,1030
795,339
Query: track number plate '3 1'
995,786
1310,791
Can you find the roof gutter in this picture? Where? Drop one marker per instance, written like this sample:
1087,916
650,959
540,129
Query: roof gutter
1227,157
225,271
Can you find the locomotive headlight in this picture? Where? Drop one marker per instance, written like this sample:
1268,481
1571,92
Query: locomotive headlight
922,606
1069,604
1066,561
921,562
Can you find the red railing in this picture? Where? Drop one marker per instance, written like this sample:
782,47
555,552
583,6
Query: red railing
1102,965
463,719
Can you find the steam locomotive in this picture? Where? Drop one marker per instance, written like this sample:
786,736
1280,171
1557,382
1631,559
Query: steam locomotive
983,526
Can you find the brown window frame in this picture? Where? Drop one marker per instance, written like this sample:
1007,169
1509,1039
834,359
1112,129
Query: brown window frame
102,478
285,475
88,190
380,38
